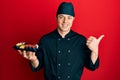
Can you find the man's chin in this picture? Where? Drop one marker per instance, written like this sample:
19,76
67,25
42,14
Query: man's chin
65,30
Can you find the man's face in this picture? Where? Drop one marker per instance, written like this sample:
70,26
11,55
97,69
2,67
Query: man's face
64,22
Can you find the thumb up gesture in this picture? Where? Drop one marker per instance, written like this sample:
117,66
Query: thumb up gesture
93,43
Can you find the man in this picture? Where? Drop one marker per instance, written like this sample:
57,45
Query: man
63,52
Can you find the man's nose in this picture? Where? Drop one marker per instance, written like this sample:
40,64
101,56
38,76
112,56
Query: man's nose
65,20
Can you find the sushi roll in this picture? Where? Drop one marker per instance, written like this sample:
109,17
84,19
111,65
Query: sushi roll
26,46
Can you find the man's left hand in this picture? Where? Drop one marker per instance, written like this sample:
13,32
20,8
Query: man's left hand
93,43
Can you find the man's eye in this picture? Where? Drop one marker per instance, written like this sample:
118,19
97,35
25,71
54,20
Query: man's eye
69,17
60,17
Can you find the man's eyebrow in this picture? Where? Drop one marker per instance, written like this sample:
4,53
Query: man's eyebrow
61,15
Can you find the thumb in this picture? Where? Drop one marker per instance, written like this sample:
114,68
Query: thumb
100,38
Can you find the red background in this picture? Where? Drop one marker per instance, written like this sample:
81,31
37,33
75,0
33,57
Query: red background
28,20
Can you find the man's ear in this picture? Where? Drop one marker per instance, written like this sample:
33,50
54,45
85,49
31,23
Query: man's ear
73,18
56,17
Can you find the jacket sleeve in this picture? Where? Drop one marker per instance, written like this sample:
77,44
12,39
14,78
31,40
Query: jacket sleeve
40,56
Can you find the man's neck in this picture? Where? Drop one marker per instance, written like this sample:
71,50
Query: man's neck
63,33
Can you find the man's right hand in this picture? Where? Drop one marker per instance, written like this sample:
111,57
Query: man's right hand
30,56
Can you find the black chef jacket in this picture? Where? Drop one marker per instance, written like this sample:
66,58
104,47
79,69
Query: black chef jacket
64,58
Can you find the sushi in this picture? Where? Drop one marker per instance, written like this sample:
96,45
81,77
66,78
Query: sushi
26,46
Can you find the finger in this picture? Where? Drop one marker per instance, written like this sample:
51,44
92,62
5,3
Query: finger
33,53
100,38
91,38
25,54
88,41
20,52
30,54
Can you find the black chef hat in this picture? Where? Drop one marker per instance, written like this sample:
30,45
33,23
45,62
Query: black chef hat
66,8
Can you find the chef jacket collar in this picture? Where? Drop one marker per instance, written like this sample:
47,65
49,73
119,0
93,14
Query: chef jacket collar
68,35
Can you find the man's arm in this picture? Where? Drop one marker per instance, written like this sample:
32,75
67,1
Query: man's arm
35,63
30,56
93,45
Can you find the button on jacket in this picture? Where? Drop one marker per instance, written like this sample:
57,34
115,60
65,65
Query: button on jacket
64,58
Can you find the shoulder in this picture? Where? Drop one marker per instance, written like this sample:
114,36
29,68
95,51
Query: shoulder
79,36
47,36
